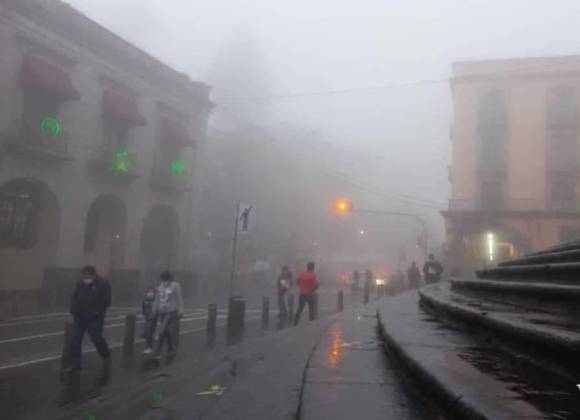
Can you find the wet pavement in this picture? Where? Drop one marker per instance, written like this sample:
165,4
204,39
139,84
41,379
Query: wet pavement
36,374
349,376
331,368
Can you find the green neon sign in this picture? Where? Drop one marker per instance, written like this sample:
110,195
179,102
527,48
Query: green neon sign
51,126
123,161
178,167
156,400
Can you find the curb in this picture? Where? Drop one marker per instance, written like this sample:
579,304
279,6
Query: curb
452,402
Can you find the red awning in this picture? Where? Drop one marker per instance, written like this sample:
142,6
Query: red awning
37,73
175,131
123,108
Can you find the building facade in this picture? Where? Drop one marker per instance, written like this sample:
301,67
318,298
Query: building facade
100,148
516,151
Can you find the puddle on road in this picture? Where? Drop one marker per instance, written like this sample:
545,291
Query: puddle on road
334,355
556,397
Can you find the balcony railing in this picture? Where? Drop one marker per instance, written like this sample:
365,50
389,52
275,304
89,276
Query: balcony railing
29,141
516,205
115,163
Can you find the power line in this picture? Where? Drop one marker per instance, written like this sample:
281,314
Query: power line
415,201
344,178
382,87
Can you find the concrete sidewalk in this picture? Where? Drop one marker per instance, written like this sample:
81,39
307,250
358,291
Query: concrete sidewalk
330,368
349,377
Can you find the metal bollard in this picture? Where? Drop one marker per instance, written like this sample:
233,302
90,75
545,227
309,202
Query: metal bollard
235,318
129,338
211,323
340,305
65,358
265,312
291,306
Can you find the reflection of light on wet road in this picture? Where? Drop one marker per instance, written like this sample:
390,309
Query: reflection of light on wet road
336,347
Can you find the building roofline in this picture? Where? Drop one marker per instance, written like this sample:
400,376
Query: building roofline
60,17
517,60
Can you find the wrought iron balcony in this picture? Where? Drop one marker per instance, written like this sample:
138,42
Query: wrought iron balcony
31,141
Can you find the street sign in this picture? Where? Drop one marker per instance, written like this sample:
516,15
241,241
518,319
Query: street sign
245,218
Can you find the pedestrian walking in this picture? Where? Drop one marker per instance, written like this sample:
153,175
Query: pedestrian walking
168,308
147,308
307,285
368,279
355,280
284,284
432,270
413,276
89,302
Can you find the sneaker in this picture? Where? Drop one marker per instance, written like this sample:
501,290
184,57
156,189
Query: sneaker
70,370
148,350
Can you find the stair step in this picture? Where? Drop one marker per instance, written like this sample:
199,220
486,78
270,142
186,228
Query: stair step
546,332
477,381
567,256
535,296
565,273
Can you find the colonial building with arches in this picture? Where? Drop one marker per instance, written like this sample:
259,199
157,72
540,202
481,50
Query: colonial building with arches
100,154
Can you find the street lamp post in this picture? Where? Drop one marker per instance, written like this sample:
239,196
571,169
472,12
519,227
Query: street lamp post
344,206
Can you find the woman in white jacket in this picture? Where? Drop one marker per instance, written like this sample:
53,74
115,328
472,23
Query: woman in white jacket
168,308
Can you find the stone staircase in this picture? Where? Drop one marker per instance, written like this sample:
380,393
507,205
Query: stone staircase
503,346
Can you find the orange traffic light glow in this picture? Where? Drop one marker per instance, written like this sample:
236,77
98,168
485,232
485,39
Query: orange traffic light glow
343,206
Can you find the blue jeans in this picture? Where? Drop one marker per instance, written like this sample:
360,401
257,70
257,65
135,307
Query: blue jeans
167,332
94,327
149,330
282,296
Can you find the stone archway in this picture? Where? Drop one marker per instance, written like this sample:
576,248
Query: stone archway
159,242
29,237
105,231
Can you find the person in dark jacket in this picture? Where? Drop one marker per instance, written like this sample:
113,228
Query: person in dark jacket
284,284
355,280
147,308
432,270
413,276
89,302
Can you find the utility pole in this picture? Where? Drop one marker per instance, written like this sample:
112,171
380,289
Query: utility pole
234,251
344,206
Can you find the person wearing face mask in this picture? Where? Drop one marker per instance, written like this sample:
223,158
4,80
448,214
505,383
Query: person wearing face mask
150,319
168,307
89,302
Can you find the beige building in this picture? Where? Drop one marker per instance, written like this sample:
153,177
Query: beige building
516,152
100,146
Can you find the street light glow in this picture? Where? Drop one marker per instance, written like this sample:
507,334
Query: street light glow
490,246
343,206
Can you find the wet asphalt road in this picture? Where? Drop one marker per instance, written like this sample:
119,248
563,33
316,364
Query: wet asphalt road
30,356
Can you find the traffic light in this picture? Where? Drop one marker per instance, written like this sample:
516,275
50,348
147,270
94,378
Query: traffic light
343,206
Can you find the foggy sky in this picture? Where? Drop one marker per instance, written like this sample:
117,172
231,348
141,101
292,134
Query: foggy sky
399,138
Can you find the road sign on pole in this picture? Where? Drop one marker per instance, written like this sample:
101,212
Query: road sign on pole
242,225
245,217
